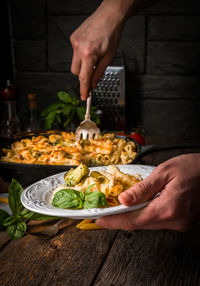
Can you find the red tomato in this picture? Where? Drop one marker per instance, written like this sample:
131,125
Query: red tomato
139,138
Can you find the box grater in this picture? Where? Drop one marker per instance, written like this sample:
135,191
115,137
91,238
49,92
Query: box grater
109,97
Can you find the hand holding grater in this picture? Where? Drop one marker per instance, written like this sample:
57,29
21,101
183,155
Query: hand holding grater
109,97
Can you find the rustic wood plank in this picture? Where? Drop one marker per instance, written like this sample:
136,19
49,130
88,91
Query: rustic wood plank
153,258
4,239
73,257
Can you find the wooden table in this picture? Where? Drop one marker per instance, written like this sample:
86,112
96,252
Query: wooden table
104,257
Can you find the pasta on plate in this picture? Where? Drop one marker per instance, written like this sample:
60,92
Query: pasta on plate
63,149
83,189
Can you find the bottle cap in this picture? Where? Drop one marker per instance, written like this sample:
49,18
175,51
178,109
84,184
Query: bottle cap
8,92
31,96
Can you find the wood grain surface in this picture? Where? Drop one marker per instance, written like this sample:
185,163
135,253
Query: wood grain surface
74,257
153,258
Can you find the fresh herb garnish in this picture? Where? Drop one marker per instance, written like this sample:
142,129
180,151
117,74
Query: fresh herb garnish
16,223
66,110
95,200
16,230
68,198
72,199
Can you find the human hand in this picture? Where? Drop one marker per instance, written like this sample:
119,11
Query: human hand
95,42
177,206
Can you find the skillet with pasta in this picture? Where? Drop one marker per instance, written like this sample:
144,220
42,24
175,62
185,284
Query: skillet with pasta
63,149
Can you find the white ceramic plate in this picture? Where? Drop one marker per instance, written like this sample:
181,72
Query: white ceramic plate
38,196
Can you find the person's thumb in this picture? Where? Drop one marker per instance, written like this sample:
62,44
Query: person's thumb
143,190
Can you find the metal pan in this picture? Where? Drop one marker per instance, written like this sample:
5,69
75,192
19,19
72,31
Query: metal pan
143,150
27,174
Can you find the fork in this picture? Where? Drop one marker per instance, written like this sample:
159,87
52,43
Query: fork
52,230
87,129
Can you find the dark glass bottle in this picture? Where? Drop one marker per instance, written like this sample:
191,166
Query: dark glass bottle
33,123
10,125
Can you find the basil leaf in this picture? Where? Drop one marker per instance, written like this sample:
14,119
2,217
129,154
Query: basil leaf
67,121
64,96
17,230
82,195
50,118
3,215
14,197
75,101
52,107
42,217
67,198
81,112
67,109
59,119
26,214
36,216
95,200
10,220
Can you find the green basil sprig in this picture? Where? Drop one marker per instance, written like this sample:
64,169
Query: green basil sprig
95,200
68,198
66,110
72,199
16,223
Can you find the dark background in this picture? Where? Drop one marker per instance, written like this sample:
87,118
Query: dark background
162,54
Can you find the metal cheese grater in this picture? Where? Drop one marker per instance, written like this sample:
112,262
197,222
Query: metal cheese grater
109,97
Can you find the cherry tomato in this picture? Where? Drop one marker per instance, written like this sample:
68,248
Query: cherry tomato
139,138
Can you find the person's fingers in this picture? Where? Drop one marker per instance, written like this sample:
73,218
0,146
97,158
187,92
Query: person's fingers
131,220
76,64
85,76
123,222
100,68
143,190
118,221
158,214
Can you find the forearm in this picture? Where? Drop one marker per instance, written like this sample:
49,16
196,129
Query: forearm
96,40
123,9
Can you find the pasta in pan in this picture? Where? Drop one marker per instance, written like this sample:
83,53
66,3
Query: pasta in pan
64,149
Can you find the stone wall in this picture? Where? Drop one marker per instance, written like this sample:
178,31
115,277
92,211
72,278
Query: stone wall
162,59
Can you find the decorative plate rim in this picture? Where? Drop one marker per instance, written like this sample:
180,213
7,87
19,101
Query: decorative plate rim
37,197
